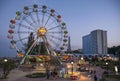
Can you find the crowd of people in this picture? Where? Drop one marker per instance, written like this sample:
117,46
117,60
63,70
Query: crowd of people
93,73
52,74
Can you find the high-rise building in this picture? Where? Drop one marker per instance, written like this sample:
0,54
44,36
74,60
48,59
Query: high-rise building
69,45
95,42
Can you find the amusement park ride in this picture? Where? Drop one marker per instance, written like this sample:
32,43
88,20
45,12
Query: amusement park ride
36,25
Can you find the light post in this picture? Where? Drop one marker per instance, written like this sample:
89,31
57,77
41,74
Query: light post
72,67
115,63
107,66
5,67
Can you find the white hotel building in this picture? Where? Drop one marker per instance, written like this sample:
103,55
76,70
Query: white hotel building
95,42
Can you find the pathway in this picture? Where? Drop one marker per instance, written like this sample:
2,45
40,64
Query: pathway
18,75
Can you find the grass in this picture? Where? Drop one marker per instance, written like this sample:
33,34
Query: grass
111,76
114,76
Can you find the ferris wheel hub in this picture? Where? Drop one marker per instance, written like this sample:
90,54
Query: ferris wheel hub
41,32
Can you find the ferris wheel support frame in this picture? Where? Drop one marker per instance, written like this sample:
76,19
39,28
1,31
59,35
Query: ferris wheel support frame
22,60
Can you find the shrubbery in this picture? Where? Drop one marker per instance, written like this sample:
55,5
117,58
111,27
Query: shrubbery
36,75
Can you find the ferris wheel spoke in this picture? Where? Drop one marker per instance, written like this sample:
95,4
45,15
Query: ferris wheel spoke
43,19
31,16
47,20
55,37
50,24
53,27
30,23
22,39
29,50
25,26
47,45
38,19
54,42
55,32
40,44
16,47
24,32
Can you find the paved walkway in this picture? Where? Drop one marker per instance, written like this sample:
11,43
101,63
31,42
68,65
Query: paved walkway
17,75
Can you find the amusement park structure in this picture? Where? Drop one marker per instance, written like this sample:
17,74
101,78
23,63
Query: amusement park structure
36,28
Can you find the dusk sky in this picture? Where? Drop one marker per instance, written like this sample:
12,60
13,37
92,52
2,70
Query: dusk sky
81,17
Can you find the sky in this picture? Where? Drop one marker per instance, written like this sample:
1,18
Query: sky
81,17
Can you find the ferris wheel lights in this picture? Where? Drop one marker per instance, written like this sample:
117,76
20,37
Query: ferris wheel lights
12,21
20,55
18,13
42,31
11,31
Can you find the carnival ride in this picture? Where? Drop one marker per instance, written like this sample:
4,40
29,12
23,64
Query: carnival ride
34,26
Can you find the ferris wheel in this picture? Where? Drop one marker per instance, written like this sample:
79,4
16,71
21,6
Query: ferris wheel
37,24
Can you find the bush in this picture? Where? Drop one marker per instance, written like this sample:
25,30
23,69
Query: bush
36,75
110,76
114,76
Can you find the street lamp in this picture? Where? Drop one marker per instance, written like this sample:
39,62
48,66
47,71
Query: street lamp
116,69
82,58
107,66
5,67
5,60
72,67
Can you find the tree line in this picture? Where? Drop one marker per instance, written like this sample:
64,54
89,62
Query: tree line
114,50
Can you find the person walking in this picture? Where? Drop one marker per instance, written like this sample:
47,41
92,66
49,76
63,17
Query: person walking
48,74
95,78
100,78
